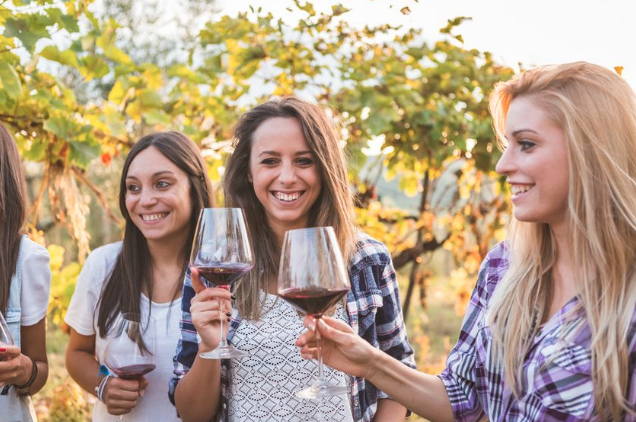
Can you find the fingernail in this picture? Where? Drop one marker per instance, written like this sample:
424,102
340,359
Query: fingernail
311,327
142,392
228,314
3,349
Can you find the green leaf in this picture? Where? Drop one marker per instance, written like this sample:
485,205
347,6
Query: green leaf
64,21
93,67
10,81
66,57
82,153
116,55
157,117
29,29
61,127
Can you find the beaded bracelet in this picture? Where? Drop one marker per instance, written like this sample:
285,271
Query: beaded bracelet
27,385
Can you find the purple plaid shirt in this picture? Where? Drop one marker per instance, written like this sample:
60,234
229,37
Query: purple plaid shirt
556,384
374,310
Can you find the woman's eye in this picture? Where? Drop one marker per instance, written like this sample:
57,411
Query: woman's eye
163,184
305,161
269,161
132,188
526,145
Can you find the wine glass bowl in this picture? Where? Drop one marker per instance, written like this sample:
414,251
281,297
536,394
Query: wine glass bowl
6,339
222,254
312,278
130,348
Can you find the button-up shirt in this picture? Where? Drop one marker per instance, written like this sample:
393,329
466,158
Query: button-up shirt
374,310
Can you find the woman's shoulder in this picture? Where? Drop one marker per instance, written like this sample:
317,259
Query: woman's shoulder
31,247
369,251
103,258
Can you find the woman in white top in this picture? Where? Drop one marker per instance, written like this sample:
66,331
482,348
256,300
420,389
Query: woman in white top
25,279
164,184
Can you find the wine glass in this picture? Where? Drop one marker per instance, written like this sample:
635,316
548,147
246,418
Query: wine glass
130,348
222,253
312,278
5,337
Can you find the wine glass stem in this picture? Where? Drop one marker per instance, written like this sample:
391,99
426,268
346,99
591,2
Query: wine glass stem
223,341
321,376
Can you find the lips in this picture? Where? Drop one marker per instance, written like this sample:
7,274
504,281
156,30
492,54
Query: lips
287,196
154,217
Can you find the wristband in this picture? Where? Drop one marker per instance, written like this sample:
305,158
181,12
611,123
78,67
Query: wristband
27,385
99,390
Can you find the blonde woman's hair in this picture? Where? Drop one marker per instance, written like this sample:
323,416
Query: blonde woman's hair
596,109
334,206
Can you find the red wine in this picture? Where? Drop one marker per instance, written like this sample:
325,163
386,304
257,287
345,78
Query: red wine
313,301
133,371
223,274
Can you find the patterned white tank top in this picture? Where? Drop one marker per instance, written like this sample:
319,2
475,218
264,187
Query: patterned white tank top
263,385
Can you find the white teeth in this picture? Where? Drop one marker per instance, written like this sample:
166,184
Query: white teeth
153,217
287,197
519,189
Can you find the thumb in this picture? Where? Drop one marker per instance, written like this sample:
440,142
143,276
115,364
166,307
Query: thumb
9,351
197,284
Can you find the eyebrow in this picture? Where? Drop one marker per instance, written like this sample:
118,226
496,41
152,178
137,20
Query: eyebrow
278,154
159,173
516,132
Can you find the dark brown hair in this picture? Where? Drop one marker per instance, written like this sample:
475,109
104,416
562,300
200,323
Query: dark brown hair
131,273
12,211
334,206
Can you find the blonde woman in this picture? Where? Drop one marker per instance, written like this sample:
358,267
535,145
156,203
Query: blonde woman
550,331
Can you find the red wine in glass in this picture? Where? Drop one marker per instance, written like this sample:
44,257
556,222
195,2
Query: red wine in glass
312,278
223,274
313,301
131,372
222,252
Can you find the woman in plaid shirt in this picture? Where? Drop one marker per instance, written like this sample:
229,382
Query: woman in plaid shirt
287,171
549,334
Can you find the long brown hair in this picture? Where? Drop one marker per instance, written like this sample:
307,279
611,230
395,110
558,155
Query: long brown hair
596,110
334,206
132,271
12,211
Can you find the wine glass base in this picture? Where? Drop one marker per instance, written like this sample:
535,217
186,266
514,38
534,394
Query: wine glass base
321,389
224,352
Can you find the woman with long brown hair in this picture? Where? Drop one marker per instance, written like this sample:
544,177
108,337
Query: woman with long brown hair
550,331
164,184
287,171
25,281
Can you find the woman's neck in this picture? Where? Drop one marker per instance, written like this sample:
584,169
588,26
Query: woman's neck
166,263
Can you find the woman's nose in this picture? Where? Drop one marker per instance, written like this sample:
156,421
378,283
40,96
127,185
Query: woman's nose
505,165
287,173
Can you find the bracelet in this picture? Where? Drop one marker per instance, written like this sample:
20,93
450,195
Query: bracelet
27,385
99,390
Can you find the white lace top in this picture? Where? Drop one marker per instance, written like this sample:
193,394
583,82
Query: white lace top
263,385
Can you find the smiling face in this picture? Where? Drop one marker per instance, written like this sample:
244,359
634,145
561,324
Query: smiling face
158,197
536,164
284,173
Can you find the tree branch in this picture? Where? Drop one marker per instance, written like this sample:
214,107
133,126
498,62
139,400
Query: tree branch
100,196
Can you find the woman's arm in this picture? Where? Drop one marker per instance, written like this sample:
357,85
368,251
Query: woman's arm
345,351
15,366
389,411
120,396
197,395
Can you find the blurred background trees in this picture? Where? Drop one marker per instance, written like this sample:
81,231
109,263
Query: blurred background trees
80,82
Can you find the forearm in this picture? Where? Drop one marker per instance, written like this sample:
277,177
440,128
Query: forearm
84,369
424,394
389,411
198,394
27,371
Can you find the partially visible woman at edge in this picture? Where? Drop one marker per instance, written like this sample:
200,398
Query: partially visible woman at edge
549,334
25,282
288,171
164,184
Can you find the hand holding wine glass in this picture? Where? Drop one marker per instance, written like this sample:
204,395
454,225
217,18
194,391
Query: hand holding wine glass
6,342
221,255
129,354
312,278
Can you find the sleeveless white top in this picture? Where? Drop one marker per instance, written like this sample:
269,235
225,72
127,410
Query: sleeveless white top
263,385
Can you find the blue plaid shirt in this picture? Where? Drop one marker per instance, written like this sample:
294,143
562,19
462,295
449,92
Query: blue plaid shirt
374,310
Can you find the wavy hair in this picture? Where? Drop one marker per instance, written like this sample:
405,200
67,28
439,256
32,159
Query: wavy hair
132,271
596,110
12,211
334,206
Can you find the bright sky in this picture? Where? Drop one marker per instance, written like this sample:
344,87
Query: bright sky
532,32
